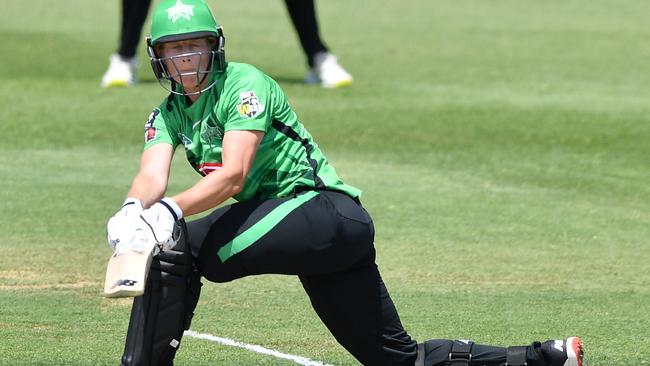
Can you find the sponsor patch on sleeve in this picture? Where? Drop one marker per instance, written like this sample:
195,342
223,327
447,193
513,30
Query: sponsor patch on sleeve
150,131
249,105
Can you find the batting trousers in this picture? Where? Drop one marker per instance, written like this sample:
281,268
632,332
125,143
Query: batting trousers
302,14
304,19
326,239
134,14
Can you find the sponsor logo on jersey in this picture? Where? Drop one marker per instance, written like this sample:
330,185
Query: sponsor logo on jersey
250,104
150,134
150,131
180,10
210,134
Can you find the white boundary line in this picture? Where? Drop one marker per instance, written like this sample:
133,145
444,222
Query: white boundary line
255,348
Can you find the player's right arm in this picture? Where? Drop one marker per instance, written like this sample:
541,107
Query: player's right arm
148,187
150,184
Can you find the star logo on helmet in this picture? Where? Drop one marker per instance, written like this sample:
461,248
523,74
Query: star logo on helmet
180,10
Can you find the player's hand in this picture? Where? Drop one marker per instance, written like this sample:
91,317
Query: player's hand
160,220
138,239
120,228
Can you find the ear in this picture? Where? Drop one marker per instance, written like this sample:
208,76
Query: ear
212,42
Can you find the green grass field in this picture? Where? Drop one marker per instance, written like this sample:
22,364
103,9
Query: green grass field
502,147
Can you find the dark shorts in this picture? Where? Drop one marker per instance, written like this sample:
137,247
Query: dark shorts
325,238
311,233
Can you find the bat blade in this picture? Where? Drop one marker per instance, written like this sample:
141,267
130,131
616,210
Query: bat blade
126,274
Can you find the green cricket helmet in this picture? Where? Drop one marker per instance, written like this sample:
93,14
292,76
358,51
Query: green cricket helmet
177,20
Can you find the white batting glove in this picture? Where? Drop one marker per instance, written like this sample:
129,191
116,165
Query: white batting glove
160,220
120,227
141,240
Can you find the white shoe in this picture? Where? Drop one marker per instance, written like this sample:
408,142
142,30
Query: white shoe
121,72
328,72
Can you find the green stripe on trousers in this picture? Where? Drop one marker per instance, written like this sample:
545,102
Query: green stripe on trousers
260,228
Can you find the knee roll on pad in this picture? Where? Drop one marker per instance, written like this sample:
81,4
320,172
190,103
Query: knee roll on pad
161,315
516,356
461,353
419,361
446,352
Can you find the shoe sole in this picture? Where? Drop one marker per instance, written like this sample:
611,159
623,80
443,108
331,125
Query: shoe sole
574,351
116,84
339,84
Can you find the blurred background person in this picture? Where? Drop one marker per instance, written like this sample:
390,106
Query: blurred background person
123,65
323,66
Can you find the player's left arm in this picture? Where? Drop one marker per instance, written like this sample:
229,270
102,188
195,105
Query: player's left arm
238,152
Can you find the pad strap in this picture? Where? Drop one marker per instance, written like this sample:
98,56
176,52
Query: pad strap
165,310
461,353
419,361
516,356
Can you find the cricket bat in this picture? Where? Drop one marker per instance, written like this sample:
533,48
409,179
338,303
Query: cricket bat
126,273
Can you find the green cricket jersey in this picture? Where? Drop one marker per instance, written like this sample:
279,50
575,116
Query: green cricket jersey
244,98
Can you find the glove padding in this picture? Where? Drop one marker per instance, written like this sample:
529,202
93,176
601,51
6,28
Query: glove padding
141,240
120,230
159,223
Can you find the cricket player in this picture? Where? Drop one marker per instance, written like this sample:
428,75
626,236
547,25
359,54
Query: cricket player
293,215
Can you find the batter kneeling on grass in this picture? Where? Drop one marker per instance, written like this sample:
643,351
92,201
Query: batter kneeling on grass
294,215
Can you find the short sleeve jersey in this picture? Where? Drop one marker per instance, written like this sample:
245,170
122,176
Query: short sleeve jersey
287,160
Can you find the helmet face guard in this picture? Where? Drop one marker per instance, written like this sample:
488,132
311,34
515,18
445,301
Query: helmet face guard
171,78
177,20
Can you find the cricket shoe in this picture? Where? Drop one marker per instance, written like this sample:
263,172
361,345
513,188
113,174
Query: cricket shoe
566,352
328,72
120,73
